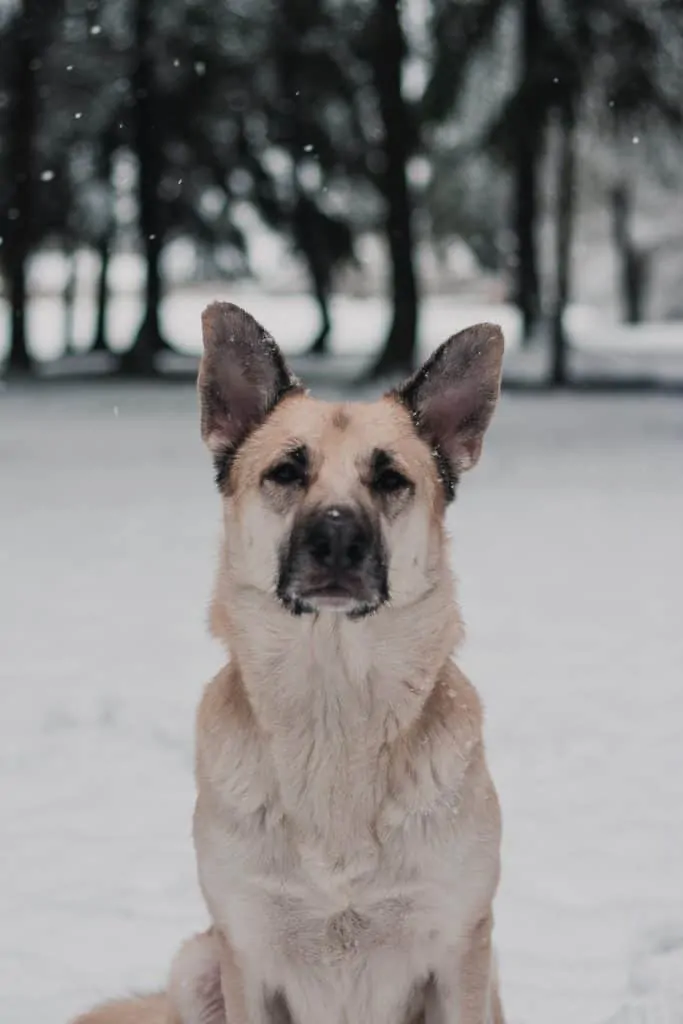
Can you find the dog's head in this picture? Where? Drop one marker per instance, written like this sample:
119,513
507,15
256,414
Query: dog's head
339,506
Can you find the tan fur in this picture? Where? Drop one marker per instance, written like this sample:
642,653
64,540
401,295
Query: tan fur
146,1010
346,828
345,817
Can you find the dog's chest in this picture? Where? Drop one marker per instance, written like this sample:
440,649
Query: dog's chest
314,908
308,870
331,912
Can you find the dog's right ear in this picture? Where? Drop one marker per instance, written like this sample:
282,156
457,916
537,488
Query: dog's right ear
242,377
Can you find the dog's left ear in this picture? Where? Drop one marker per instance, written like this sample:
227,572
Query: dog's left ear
452,397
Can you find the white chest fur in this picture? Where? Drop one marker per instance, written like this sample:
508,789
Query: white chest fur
356,940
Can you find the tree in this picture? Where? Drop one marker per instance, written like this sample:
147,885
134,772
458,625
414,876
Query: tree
108,144
26,39
457,34
619,52
644,111
564,223
526,166
467,197
615,54
309,107
325,242
634,262
387,49
74,80
147,142
175,88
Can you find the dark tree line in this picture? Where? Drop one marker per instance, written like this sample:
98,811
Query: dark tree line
202,95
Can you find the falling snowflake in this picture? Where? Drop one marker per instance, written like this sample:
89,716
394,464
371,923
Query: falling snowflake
308,148
95,30
78,116
636,140
200,67
69,67
47,176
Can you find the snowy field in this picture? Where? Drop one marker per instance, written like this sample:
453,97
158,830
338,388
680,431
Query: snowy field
568,541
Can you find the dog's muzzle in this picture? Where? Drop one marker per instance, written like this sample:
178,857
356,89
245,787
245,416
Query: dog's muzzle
334,559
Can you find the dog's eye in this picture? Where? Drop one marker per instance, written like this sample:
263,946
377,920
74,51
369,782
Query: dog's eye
389,481
285,474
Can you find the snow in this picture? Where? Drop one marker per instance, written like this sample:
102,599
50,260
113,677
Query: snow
568,544
601,348
359,323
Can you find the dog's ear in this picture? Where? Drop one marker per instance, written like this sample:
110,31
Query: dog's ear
452,397
242,377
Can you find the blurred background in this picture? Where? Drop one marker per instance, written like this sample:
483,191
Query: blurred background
369,167
366,178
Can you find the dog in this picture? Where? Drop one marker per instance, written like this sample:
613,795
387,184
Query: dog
347,830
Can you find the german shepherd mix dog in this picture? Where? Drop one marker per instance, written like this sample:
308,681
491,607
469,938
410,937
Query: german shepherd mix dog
347,830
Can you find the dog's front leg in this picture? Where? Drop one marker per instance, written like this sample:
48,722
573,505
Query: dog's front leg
264,1008
195,985
207,985
247,1001
463,990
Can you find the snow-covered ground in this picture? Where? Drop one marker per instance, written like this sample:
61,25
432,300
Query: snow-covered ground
568,541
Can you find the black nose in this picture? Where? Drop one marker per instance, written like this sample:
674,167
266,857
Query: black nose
338,539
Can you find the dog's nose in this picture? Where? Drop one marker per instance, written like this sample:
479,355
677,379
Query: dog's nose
338,539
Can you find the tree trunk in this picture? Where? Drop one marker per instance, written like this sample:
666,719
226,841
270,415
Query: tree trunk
564,231
320,346
398,353
19,361
106,239
22,130
69,300
140,359
526,172
308,233
305,226
633,263
100,337
527,296
315,252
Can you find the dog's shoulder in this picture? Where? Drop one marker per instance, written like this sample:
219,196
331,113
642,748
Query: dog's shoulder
231,760
438,767
446,735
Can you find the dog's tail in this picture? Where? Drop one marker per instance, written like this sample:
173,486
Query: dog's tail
154,1009
194,991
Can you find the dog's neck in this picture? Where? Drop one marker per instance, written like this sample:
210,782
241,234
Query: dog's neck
331,695
291,664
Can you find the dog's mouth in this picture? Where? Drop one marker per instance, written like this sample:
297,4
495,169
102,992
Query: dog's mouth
332,595
354,601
